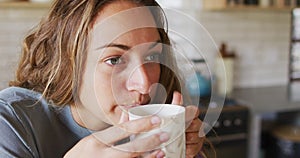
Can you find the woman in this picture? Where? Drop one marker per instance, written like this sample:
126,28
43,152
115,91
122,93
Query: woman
80,72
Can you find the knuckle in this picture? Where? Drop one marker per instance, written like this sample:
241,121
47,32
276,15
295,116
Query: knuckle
133,149
148,144
142,145
91,141
193,149
189,136
198,122
193,127
156,139
193,138
137,126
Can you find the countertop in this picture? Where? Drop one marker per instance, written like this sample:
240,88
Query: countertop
264,100
268,99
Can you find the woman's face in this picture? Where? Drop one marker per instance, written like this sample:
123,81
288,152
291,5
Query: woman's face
122,64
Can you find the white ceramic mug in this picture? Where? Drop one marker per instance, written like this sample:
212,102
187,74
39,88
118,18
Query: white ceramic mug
173,122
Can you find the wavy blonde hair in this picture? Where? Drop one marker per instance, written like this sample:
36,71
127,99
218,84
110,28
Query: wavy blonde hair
54,53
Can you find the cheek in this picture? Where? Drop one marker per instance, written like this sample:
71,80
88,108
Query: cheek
108,88
102,87
104,95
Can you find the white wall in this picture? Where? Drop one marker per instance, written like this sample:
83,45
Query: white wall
260,39
14,24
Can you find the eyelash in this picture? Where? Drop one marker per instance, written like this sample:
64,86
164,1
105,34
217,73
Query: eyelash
116,60
110,61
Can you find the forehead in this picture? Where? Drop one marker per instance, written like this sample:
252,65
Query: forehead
121,18
117,7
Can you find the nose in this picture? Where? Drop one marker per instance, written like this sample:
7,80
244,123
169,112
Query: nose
139,80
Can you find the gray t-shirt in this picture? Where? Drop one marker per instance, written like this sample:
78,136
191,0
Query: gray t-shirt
31,127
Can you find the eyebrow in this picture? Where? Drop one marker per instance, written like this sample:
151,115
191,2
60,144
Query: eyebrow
125,47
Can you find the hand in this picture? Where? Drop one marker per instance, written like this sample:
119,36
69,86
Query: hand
193,141
101,144
194,137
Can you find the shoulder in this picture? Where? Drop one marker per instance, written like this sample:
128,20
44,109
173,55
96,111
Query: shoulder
21,101
16,94
23,105
12,100
13,124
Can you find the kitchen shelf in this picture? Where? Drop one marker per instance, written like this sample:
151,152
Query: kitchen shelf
294,60
243,5
295,76
295,40
251,8
24,4
295,80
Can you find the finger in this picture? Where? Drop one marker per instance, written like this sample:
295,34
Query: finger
116,133
193,138
139,146
194,125
191,112
193,149
177,98
156,154
124,117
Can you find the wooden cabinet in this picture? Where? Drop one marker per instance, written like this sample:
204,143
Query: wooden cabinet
250,4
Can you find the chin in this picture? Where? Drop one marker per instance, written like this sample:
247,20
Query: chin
113,116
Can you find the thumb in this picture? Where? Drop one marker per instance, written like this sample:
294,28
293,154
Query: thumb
124,117
177,98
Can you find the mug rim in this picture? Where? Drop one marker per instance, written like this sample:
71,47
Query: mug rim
179,109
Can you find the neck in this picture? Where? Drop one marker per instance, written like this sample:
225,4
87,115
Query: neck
87,119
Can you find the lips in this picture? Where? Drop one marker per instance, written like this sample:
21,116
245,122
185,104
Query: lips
127,107
134,104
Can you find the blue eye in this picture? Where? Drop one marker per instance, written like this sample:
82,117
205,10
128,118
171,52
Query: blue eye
113,61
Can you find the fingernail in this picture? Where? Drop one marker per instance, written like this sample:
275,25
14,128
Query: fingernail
164,137
201,133
155,120
160,154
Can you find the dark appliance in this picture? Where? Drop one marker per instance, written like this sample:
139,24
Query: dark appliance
229,136
284,142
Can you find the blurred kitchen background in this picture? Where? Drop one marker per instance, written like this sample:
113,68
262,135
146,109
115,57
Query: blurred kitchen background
258,32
